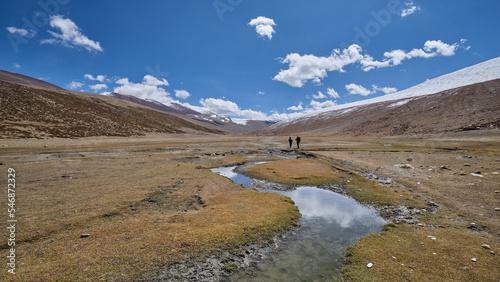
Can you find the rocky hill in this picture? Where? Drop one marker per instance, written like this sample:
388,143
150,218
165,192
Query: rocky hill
34,112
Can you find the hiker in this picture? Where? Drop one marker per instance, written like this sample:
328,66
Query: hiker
290,140
298,142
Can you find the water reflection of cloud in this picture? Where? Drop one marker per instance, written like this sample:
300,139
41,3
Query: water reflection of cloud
226,171
314,202
346,212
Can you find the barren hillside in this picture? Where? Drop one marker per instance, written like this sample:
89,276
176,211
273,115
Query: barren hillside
30,112
26,80
465,108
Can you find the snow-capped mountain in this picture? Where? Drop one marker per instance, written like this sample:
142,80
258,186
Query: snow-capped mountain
466,98
485,71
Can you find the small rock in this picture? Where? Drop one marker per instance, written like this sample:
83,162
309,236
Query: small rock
486,246
84,235
431,237
421,224
370,265
473,259
410,159
405,166
495,172
462,173
434,253
443,167
478,173
466,164
497,209
432,204
492,252
496,191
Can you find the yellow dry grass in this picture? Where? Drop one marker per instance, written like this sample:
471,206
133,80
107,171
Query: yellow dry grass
143,207
295,172
410,253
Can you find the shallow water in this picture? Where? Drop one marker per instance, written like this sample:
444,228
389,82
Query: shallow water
332,222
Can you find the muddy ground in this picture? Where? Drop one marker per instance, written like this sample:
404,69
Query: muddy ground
148,203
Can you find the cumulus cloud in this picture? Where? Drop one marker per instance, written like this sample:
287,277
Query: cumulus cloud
261,93
304,68
70,35
332,93
319,96
263,26
28,33
410,9
149,88
355,89
225,107
99,86
296,108
386,90
183,94
75,85
322,105
100,78
16,65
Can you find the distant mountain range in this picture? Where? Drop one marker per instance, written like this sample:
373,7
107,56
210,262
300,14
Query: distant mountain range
210,120
467,99
462,100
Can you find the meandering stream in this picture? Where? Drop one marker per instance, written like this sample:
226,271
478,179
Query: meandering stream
331,222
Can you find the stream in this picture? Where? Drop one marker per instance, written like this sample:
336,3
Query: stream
330,223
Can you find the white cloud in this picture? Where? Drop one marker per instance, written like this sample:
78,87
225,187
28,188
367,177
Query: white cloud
225,107
322,105
97,87
151,80
183,94
70,35
75,85
149,88
261,93
304,68
21,32
296,108
100,78
332,93
16,65
319,96
355,89
310,67
410,9
386,90
263,26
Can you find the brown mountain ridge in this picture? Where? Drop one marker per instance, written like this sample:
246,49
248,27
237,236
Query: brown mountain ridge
475,106
32,112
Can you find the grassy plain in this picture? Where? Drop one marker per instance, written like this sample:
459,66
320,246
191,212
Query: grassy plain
151,201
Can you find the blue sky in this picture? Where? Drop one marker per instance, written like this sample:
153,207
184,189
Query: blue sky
246,59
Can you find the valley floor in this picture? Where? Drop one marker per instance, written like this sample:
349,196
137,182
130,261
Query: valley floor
125,208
